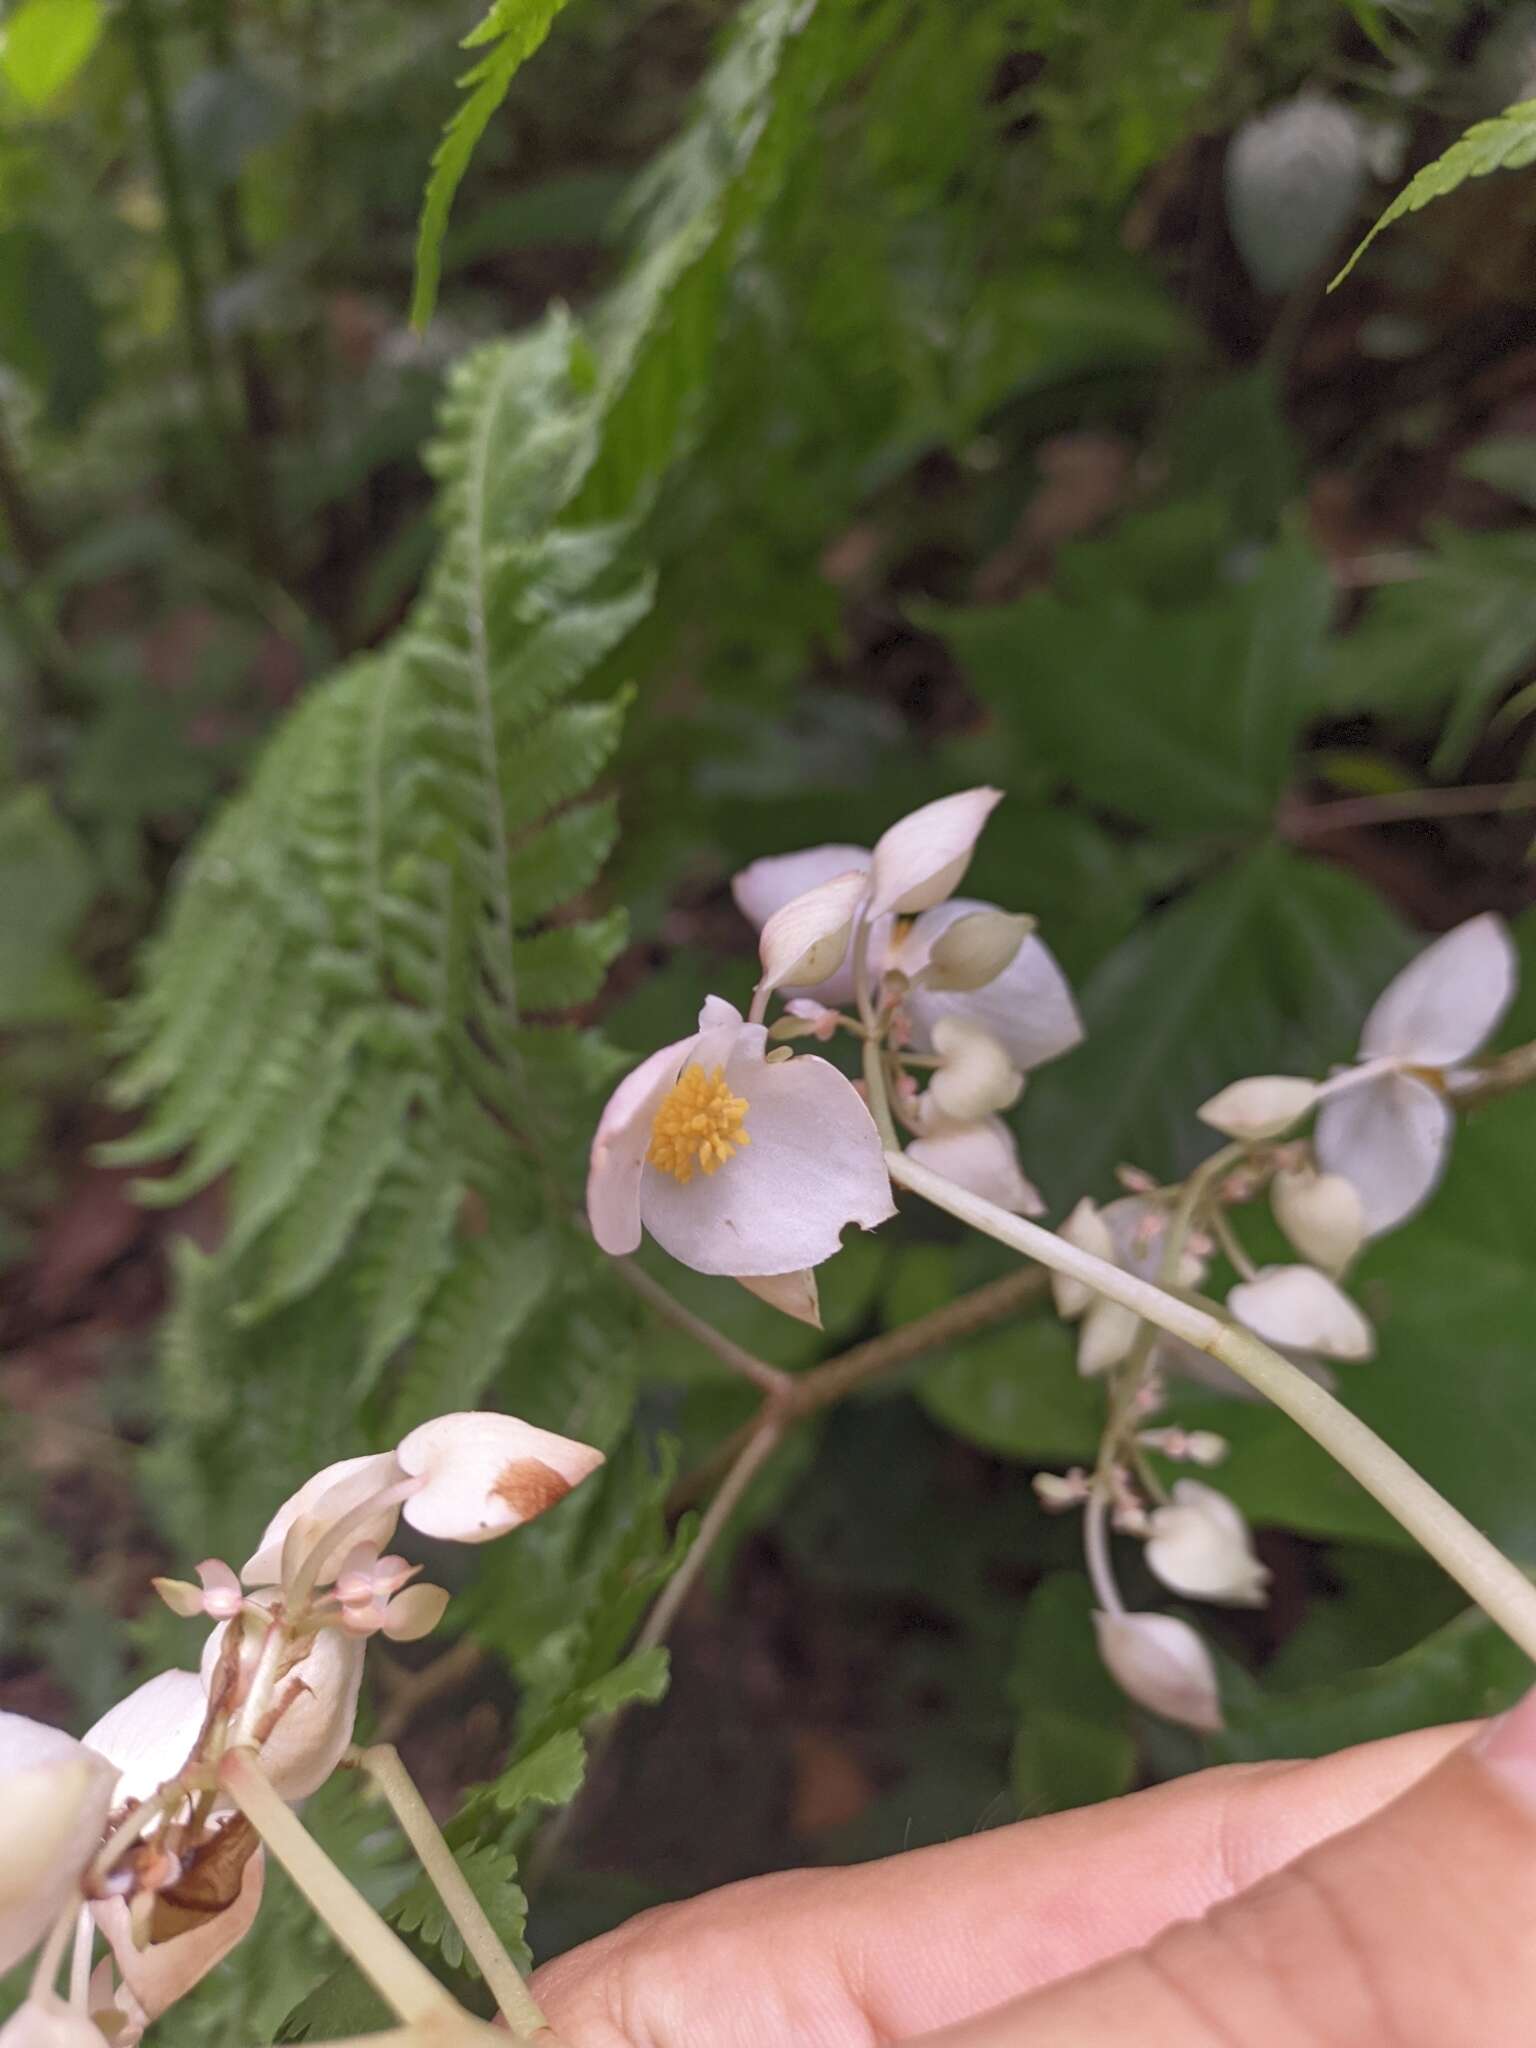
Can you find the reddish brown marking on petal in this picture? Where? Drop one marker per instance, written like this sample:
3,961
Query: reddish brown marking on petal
529,1486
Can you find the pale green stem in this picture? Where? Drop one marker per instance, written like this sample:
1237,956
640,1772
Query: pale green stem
80,1961
514,2000
1096,1551
874,1048
51,1953
404,1983
1499,1588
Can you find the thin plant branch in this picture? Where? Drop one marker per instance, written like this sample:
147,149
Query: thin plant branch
1497,1585
729,1353
755,1453
404,1983
514,2001
1347,814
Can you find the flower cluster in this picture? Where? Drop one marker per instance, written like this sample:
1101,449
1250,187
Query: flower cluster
745,1157
131,1824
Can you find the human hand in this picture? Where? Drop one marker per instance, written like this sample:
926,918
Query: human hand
1381,1898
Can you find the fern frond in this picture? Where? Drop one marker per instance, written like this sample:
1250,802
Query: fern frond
1506,143
516,28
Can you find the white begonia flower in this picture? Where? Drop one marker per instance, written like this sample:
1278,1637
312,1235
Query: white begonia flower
55,1795
805,941
1028,1007
768,884
1200,1545
1321,1214
1162,1663
43,2020
735,1165
150,1734
983,1158
793,1294
483,1474
1296,1308
1259,1108
1386,1123
923,857
319,1503
977,1077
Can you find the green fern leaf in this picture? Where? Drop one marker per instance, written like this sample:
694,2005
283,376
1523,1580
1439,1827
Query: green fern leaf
516,27
491,1874
403,1252
562,860
494,1286
1506,143
564,968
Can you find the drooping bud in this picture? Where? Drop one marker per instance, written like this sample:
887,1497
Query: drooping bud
1086,1229
923,857
793,1294
484,1474
55,1795
1057,1491
1105,1339
806,941
1322,1215
1162,1663
1300,1309
983,1158
977,1077
1259,1108
975,950
1200,1545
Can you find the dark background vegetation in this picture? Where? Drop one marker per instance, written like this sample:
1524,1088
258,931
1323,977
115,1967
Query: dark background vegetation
1028,447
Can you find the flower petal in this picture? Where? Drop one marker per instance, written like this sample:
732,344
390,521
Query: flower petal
1390,1135
415,1613
619,1147
1105,1339
314,1730
1160,1661
1028,1009
487,1473
43,2020
330,1494
805,942
1086,1229
1200,1546
149,1734
982,1157
1261,1107
923,857
57,1794
1300,1309
794,1294
157,1976
768,884
1447,1001
814,1165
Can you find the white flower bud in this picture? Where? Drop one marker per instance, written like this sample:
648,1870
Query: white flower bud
1259,1108
982,1157
1086,1229
313,1731
975,950
484,1474
923,857
55,1795
45,2021
1321,1214
333,1492
1200,1545
1205,1447
1057,1491
1106,1337
806,941
1300,1309
977,1077
1162,1663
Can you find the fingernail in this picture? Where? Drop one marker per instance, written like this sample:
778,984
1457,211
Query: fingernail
1507,1747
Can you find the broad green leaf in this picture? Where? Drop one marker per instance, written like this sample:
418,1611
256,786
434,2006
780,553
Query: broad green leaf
1506,143
1072,1746
1182,719
50,326
515,29
43,43
1466,1668
1270,966
1017,1391
491,1874
1456,635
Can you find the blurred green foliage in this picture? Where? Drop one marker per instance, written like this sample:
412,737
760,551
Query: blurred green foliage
827,405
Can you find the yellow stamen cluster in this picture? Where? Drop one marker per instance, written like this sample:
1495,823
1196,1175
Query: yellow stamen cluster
699,1123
